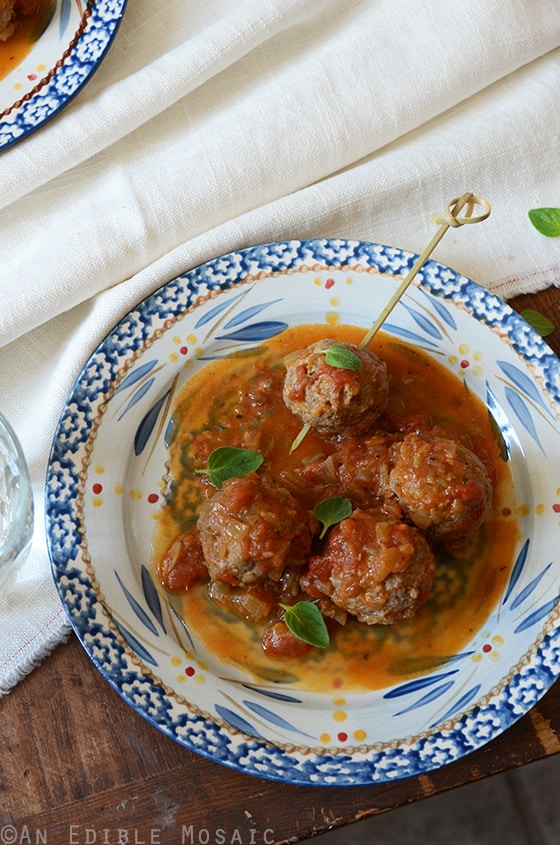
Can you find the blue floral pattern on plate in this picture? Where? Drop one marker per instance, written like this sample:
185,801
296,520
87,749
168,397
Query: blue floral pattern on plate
60,63
104,487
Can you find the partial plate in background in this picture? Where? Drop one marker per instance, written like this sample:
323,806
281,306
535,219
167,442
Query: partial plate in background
60,63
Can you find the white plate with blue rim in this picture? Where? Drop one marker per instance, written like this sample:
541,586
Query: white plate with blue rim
71,41
103,490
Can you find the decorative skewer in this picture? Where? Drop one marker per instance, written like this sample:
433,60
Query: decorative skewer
449,219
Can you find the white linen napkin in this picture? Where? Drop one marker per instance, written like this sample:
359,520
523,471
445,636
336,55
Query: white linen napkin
212,126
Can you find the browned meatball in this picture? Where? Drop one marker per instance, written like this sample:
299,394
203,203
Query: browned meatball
251,529
335,400
12,11
183,563
441,485
7,19
358,469
377,569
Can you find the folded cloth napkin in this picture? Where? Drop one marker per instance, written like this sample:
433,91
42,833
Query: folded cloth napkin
212,126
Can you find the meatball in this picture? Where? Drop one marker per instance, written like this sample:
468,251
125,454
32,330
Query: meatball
358,469
11,11
252,529
377,569
183,563
441,485
335,400
7,21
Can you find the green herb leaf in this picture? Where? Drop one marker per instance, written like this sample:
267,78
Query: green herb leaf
228,462
305,621
546,221
330,511
538,321
339,355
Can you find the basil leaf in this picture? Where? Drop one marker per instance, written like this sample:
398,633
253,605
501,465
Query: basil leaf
330,511
228,462
541,324
339,355
546,221
305,621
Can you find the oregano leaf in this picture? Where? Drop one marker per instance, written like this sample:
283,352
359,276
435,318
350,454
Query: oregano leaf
339,355
539,322
331,511
305,621
546,221
229,462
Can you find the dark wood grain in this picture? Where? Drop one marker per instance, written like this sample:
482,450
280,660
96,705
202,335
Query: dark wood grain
78,765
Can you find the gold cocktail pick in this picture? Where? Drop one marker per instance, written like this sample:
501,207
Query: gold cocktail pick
449,219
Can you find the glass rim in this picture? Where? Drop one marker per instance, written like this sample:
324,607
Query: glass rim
16,537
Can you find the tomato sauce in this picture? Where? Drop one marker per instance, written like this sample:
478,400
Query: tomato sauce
221,405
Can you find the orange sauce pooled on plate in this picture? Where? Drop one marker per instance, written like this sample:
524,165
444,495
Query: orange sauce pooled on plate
468,582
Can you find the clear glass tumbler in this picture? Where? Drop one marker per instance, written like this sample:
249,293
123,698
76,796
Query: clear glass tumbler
16,501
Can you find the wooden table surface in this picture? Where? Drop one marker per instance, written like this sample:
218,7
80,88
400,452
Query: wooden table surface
78,765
